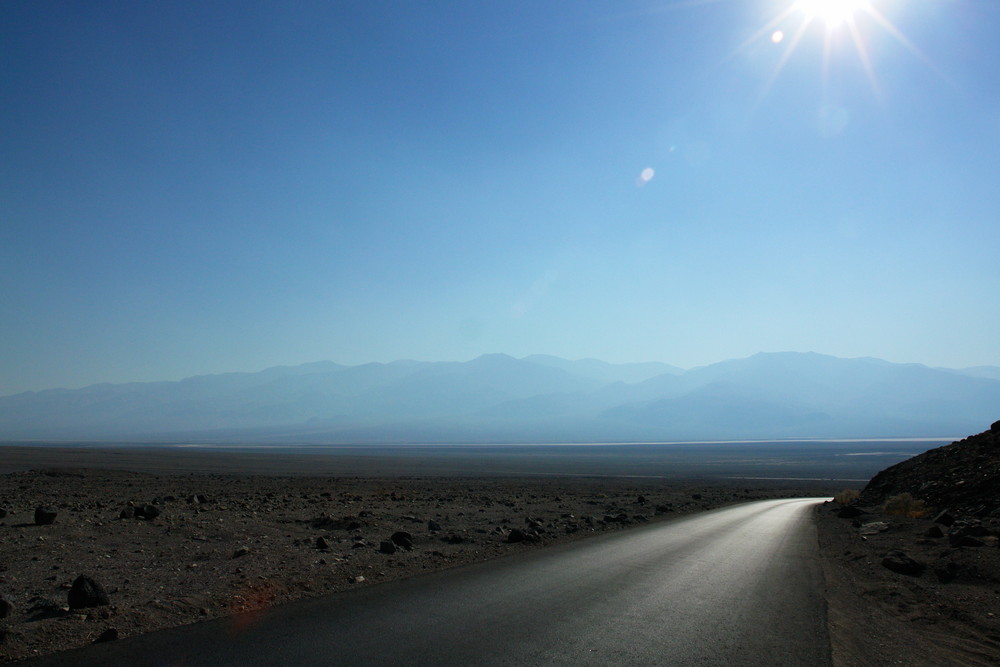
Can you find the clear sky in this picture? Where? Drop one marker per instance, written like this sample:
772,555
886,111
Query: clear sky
200,187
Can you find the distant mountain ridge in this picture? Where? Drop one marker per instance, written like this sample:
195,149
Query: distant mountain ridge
540,398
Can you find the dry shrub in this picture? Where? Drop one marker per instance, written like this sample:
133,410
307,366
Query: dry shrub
905,505
847,496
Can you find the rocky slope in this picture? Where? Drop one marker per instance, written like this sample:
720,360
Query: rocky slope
913,564
963,477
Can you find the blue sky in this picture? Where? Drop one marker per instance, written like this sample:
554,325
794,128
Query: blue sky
206,187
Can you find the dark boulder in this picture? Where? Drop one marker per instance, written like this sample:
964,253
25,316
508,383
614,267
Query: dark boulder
849,512
45,515
515,535
899,562
402,539
387,547
945,518
85,592
433,525
128,512
108,635
147,512
321,543
6,608
934,532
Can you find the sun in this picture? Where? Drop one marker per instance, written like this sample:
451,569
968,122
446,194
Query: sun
850,23
832,12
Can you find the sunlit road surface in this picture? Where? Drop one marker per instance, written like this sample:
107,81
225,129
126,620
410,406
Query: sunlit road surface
736,586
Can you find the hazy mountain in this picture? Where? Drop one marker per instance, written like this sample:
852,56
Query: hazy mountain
539,398
595,368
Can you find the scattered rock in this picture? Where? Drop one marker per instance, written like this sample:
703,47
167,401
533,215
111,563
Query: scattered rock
6,608
147,512
45,515
387,547
934,532
127,512
899,562
321,543
241,551
85,592
433,525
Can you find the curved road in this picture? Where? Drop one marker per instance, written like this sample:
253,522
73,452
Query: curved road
736,586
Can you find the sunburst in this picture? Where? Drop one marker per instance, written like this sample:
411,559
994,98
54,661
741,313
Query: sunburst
836,18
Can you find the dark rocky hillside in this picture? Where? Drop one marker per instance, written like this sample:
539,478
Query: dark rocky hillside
963,477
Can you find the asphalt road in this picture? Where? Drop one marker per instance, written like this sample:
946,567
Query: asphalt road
736,586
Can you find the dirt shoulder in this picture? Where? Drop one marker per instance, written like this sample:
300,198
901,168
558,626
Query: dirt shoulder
171,549
946,611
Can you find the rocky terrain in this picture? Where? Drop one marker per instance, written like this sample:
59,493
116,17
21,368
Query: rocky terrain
93,555
913,564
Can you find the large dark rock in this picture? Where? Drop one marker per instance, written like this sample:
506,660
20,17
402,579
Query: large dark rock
108,635
387,547
148,512
945,518
849,512
45,515
85,592
6,608
402,539
433,525
897,561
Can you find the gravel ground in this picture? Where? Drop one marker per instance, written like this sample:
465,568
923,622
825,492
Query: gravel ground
946,612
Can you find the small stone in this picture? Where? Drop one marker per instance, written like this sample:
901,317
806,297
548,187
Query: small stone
6,608
242,551
321,543
387,547
433,525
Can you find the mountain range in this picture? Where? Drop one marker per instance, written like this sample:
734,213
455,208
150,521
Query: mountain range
497,398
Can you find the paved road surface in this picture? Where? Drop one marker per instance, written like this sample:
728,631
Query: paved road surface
736,586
